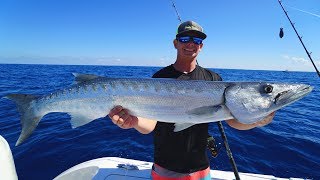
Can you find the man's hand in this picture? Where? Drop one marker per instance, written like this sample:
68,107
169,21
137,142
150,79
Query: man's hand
237,125
122,118
265,121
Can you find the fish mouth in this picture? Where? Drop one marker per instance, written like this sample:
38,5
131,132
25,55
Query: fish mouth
289,96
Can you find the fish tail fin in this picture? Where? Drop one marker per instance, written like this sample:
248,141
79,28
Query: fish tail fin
28,119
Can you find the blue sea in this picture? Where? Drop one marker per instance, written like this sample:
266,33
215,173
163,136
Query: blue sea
288,147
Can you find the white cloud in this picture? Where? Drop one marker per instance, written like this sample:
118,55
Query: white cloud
296,63
301,60
285,56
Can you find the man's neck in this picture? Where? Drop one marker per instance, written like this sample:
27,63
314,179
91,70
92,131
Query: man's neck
184,67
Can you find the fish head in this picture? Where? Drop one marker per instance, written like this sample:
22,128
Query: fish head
251,102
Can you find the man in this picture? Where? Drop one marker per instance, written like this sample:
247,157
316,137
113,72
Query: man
182,154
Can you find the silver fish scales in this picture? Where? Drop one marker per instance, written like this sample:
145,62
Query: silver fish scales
182,102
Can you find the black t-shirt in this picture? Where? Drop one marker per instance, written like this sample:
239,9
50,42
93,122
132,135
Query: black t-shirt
183,151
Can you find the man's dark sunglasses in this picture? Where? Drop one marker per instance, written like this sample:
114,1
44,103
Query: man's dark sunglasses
186,39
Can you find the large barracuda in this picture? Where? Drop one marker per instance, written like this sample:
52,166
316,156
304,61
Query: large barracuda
182,102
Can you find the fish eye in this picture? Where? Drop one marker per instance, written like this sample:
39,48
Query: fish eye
268,88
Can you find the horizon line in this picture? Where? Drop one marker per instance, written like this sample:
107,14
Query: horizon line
285,70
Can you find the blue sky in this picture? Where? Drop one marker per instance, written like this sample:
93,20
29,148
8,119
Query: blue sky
241,34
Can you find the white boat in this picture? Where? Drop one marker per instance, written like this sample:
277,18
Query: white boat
115,168
112,168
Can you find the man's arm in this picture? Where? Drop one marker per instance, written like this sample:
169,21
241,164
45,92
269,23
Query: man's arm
122,118
237,125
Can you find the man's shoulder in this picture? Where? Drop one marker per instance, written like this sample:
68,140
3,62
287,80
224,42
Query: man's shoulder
213,75
166,71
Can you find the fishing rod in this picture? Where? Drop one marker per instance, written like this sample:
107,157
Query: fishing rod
226,145
175,8
309,54
179,18
221,129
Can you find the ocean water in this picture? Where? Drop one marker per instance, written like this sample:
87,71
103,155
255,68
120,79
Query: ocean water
288,147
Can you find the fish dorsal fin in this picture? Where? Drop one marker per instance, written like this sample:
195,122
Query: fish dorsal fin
82,78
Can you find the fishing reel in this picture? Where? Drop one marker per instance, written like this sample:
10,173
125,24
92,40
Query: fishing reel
213,147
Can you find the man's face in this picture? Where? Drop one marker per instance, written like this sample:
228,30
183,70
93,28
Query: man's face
188,47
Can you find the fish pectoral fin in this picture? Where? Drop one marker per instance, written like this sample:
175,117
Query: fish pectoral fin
82,78
182,126
78,119
205,110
